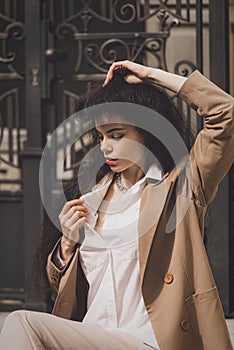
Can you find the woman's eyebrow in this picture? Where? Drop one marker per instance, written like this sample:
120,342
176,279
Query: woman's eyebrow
111,130
115,129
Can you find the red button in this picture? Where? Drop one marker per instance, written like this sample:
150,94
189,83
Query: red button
168,278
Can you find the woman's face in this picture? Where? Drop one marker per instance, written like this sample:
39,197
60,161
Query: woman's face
122,145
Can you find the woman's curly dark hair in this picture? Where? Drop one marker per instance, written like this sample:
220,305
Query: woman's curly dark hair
118,90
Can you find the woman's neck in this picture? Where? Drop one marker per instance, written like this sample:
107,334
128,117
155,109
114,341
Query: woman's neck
131,175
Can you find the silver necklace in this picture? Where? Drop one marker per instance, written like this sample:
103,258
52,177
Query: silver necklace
119,183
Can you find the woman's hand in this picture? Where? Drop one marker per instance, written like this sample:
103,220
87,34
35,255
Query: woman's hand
72,217
137,72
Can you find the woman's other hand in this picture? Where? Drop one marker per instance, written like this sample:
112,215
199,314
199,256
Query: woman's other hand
72,217
137,72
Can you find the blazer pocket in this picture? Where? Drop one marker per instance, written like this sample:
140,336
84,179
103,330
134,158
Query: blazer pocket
206,319
203,296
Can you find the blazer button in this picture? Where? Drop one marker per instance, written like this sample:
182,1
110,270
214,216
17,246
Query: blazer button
168,278
184,325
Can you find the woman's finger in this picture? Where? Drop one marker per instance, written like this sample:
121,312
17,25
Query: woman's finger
73,233
80,208
131,79
76,211
74,218
113,67
75,227
67,206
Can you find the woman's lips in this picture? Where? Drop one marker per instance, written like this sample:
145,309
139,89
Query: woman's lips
111,161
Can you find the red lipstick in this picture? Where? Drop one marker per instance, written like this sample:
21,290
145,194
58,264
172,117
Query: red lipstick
111,161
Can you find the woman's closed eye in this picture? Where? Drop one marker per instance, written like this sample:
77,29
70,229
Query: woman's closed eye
117,136
113,137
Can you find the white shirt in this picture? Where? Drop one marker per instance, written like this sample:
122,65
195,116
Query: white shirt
110,261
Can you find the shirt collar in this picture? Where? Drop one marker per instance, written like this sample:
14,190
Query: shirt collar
154,173
94,198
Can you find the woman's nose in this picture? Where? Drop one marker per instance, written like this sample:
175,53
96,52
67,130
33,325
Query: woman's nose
106,147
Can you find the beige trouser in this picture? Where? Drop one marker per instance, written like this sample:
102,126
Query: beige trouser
24,330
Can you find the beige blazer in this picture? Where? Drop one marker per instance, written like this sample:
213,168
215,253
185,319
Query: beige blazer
178,288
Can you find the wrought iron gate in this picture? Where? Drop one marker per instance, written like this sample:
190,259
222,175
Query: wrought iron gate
50,50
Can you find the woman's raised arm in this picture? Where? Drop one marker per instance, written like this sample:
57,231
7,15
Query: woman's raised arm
138,72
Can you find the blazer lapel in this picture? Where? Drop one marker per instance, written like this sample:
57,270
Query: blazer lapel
152,204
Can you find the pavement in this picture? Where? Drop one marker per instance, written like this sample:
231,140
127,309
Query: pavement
230,324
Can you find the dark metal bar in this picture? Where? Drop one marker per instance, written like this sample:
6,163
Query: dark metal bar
199,36
17,125
11,197
32,211
219,248
188,8
178,7
70,8
219,43
15,181
73,132
146,7
10,127
7,8
103,5
14,9
62,10
121,35
65,131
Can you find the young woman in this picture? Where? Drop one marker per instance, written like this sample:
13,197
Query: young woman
130,268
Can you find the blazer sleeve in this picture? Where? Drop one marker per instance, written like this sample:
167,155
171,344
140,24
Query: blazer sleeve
213,151
53,269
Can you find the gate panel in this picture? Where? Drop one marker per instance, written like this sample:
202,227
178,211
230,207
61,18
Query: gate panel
20,140
12,138
220,246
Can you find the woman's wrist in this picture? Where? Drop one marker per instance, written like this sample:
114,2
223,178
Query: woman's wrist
165,79
67,248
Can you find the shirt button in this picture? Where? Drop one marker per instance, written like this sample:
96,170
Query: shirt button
184,325
168,278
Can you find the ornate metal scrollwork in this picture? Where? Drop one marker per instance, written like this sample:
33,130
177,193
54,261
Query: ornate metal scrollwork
125,12
105,54
10,58
184,67
166,21
128,12
100,51
176,10
15,136
101,56
65,31
15,31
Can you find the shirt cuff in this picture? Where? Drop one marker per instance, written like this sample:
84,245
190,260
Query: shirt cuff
57,260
